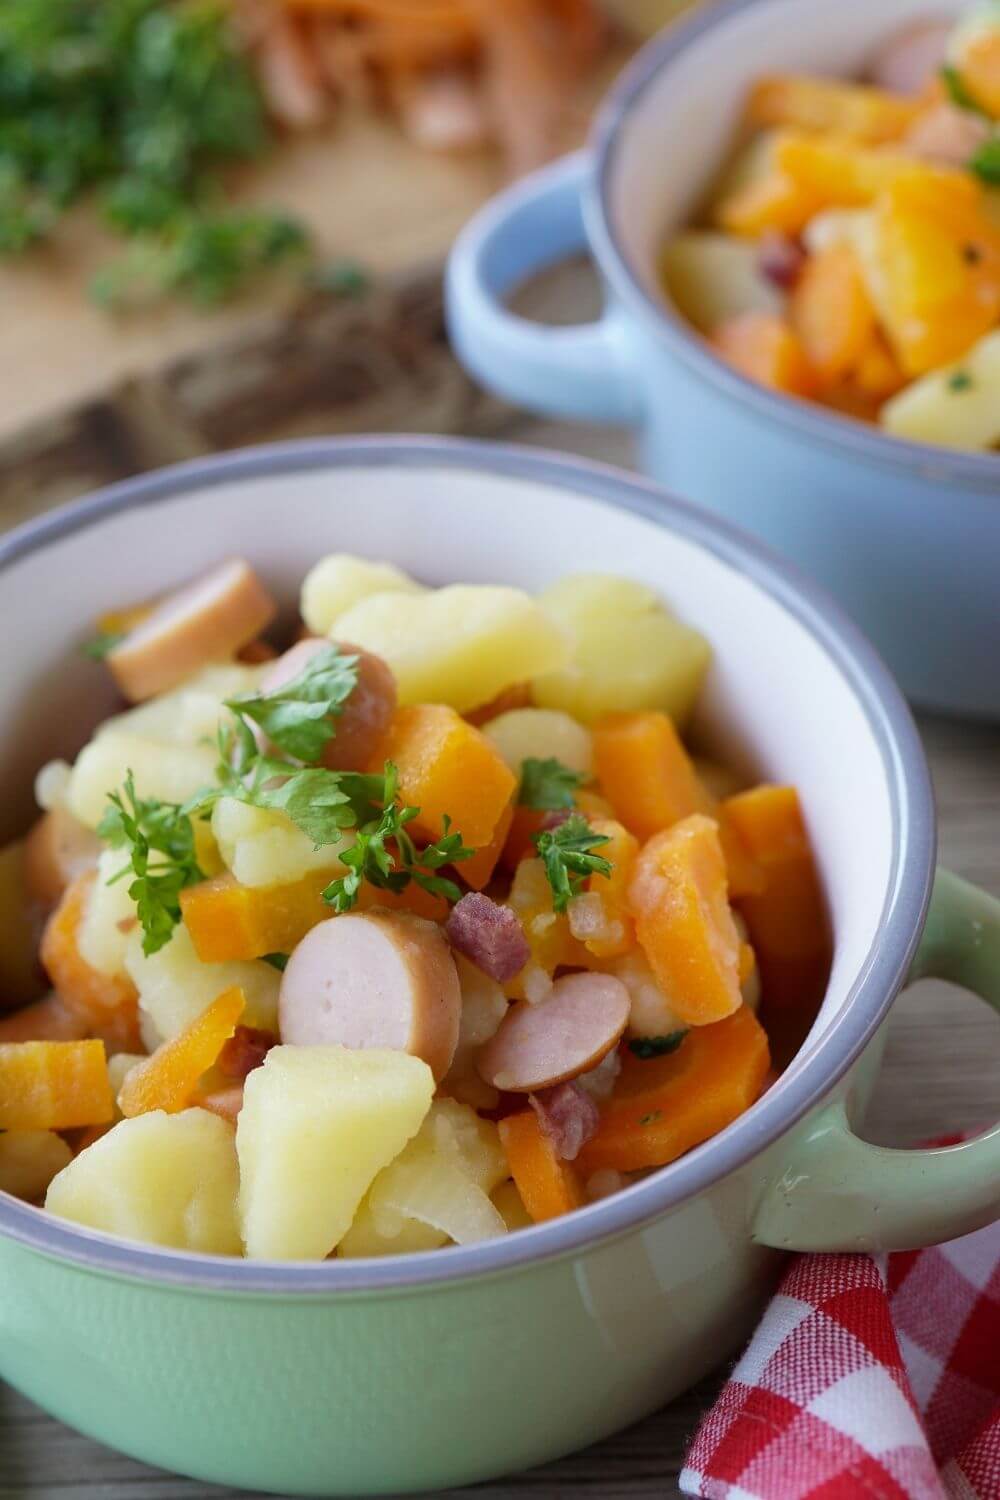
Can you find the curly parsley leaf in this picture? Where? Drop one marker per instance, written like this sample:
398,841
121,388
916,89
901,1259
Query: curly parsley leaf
147,828
277,961
986,162
956,89
384,854
101,645
567,854
645,1047
300,717
548,785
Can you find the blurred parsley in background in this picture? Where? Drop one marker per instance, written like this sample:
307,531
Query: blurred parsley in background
140,100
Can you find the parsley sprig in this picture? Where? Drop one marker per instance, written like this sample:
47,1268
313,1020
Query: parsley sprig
384,854
101,645
646,1047
567,854
300,717
548,785
147,827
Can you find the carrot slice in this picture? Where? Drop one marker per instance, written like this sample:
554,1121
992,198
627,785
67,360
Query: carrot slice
548,1186
227,920
107,1003
765,348
787,919
832,313
477,872
663,1106
683,921
54,1085
645,772
448,768
168,1079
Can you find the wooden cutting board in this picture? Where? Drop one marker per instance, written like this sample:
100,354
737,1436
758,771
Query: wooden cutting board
366,193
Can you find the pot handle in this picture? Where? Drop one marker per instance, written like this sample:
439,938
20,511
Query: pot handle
839,1192
579,371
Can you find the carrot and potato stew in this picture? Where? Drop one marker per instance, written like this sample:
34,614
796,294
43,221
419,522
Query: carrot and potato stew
428,928
849,253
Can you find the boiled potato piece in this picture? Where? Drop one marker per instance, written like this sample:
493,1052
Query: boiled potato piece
175,986
460,645
172,773
29,1159
510,1205
108,916
957,406
189,714
651,1012
436,1190
262,846
712,277
164,1179
484,1006
119,1067
541,733
339,581
631,653
317,1125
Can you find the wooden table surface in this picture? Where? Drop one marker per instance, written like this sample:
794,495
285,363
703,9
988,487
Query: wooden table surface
940,1074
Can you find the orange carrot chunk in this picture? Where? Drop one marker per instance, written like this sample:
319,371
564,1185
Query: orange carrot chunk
548,1186
54,1085
831,312
477,872
227,920
787,919
683,922
645,772
448,768
663,1106
47,1020
168,1079
107,1003
763,347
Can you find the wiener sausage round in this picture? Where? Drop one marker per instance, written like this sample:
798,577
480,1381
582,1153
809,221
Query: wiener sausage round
366,714
560,1037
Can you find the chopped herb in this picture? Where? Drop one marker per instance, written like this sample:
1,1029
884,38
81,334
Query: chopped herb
566,854
342,278
277,961
100,646
384,854
300,717
146,827
547,785
956,89
651,1118
960,380
986,162
645,1047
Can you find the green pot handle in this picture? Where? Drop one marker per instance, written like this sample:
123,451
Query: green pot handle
839,1192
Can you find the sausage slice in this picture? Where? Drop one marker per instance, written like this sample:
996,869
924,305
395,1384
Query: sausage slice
560,1037
365,715
374,979
56,851
205,620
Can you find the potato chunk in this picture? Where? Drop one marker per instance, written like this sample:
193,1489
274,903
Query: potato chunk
714,277
540,734
317,1125
631,653
175,987
29,1159
163,1179
339,581
958,406
262,846
460,645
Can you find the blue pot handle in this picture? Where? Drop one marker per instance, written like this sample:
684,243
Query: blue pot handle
564,372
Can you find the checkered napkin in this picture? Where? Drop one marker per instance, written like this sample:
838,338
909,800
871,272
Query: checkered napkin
869,1377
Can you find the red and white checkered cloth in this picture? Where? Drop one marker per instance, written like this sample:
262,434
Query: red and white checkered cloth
869,1378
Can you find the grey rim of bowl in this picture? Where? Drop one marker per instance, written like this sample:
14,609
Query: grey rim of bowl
937,464
816,1070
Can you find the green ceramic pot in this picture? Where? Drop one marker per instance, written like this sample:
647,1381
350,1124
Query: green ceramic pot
430,1370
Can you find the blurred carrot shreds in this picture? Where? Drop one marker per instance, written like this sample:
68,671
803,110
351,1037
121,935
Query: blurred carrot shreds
458,74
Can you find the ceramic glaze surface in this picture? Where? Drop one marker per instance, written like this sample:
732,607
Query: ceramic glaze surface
419,1372
905,535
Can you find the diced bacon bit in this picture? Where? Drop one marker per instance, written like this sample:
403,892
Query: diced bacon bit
490,936
245,1050
780,259
604,1183
599,1083
568,1116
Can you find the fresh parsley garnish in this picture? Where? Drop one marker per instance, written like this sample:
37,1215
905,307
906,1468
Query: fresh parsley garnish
645,1047
101,645
146,828
956,89
959,380
384,854
300,717
547,785
277,961
566,853
986,162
